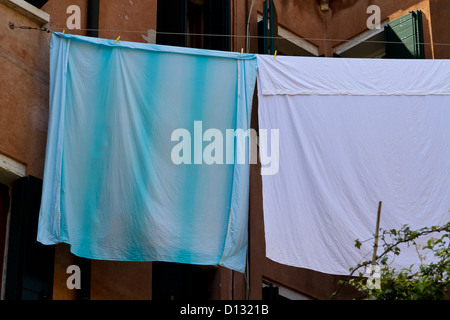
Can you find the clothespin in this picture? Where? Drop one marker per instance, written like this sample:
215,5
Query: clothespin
242,50
64,31
275,55
117,39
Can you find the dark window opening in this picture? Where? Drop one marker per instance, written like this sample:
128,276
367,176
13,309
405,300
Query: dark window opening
270,292
178,281
29,270
195,24
203,24
37,3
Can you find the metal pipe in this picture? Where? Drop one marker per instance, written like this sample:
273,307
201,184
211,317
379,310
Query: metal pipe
248,28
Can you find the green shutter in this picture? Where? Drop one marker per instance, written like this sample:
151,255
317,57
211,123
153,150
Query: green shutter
404,37
268,29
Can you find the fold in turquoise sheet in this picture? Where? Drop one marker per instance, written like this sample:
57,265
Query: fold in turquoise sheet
112,188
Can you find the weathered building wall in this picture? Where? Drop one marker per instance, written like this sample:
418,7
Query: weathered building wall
24,88
135,15
440,34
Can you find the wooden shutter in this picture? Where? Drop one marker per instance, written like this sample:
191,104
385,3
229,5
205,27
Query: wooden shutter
171,18
404,37
29,273
268,29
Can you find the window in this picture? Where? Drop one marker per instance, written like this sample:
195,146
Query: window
29,270
37,3
187,23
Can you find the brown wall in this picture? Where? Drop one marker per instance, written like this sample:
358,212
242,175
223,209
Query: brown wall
58,15
24,87
440,34
302,17
120,280
136,15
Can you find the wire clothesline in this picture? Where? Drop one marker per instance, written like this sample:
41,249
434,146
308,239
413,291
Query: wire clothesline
50,29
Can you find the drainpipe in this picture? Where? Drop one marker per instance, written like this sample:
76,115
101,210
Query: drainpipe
92,19
248,28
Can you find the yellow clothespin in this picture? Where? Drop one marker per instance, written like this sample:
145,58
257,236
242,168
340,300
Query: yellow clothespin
64,31
275,55
117,39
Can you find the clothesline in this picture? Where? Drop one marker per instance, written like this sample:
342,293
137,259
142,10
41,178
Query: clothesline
50,29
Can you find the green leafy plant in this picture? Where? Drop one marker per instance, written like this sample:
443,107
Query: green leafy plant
424,282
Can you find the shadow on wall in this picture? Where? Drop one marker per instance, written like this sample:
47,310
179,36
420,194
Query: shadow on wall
336,5
37,3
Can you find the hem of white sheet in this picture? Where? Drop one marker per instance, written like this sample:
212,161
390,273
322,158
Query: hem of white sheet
322,93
